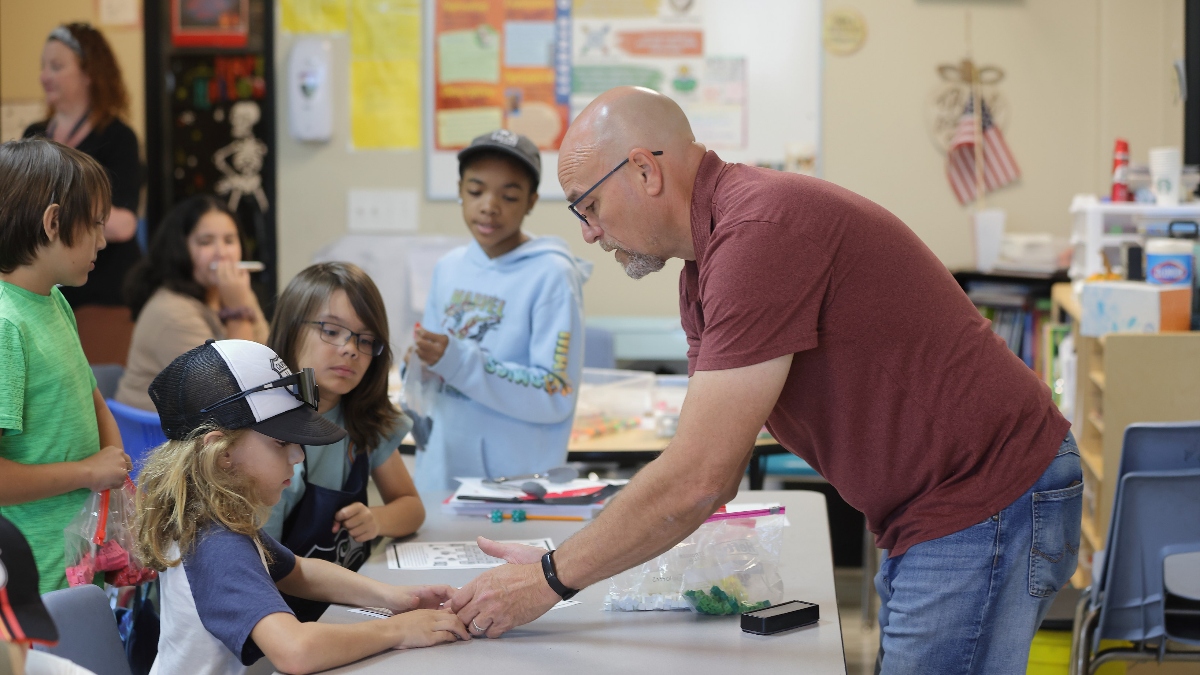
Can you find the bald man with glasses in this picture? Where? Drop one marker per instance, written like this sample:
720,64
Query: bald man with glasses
818,313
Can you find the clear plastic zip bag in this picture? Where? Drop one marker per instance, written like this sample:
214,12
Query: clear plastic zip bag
729,565
100,540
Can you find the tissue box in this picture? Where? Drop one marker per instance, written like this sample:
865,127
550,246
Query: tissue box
1133,306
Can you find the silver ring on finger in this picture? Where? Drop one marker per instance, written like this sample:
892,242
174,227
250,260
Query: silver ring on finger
476,626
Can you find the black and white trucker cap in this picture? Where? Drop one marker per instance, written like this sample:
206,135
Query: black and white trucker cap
189,393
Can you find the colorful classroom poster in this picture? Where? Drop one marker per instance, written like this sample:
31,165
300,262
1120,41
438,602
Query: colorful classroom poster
385,80
659,44
500,63
313,16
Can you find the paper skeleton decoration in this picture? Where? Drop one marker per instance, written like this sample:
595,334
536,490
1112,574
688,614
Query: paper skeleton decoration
246,152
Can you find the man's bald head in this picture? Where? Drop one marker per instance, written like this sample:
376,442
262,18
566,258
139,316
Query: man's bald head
624,118
641,143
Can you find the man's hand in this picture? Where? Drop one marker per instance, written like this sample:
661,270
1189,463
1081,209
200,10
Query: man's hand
508,596
430,346
519,554
359,519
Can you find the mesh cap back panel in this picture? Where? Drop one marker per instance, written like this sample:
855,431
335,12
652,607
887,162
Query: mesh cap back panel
192,382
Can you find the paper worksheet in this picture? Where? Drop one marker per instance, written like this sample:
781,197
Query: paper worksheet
449,555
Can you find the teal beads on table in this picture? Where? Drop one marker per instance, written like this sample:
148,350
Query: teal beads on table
497,516
518,516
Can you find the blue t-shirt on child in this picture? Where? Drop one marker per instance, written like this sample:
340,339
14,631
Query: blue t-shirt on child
214,598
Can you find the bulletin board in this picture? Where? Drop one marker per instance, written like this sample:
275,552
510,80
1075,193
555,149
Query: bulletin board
747,72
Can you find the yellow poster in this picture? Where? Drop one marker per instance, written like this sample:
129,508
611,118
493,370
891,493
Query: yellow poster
385,111
385,74
314,16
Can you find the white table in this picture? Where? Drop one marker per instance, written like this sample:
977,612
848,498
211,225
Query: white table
584,639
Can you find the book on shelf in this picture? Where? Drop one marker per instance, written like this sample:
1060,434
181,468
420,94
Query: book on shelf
1016,313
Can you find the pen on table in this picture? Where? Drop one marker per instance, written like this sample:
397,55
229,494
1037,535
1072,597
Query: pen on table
508,516
248,265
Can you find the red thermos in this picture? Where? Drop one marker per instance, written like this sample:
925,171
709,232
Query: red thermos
1120,171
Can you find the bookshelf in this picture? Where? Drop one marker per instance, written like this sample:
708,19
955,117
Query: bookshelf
1121,378
1018,305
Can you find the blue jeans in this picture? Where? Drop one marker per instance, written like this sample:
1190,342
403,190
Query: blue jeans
971,601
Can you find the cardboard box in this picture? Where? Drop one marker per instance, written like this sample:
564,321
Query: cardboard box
1134,307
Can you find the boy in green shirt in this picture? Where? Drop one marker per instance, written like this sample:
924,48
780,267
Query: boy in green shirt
58,441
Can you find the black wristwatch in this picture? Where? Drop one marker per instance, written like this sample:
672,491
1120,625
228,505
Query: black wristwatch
552,578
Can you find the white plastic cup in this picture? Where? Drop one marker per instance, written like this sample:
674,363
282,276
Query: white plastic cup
1166,173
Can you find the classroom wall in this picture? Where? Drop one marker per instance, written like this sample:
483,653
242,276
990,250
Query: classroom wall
24,25
314,180
1079,73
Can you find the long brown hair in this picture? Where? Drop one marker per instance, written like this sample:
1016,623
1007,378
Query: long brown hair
369,415
107,95
182,489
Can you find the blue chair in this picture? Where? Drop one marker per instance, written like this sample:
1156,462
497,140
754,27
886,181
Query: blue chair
1156,515
87,630
598,348
1146,447
1160,446
787,464
140,432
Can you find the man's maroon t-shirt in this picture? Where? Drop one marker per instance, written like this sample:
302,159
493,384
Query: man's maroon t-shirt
899,394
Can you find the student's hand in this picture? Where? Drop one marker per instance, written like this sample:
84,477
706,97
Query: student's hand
427,627
406,598
359,519
106,469
233,285
430,346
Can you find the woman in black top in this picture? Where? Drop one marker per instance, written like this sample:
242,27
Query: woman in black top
86,98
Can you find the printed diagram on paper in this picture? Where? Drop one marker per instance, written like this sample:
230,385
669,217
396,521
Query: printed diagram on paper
449,555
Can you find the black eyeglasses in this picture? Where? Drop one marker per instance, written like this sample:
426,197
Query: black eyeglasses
571,206
339,336
302,385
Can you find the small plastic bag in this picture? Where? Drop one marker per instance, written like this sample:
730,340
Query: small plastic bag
100,538
418,394
420,386
729,565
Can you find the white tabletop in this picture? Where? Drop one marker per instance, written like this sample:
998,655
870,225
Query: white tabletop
585,639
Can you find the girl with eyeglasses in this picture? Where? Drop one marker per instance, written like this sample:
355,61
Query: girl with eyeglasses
331,318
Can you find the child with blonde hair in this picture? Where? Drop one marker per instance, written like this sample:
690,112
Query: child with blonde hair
235,417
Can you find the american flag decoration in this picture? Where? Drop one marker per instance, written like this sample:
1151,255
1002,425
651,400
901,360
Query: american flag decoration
999,166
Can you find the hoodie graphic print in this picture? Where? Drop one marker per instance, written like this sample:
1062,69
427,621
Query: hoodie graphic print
511,368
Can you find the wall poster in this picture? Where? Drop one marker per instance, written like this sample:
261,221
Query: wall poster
500,63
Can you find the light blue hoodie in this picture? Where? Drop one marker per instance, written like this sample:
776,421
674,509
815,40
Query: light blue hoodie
511,370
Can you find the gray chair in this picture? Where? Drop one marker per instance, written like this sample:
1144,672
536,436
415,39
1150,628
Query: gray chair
108,375
87,630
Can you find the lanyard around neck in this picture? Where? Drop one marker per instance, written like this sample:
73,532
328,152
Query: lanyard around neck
74,130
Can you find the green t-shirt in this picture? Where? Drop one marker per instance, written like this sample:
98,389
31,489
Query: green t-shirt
46,411
329,467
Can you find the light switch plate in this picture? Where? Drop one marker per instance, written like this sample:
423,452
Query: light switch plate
382,210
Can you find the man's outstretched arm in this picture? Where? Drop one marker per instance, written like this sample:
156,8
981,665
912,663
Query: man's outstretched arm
698,472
